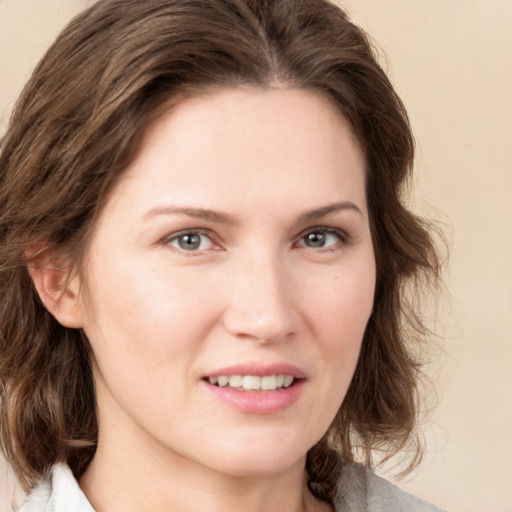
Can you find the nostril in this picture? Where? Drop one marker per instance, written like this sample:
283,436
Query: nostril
264,328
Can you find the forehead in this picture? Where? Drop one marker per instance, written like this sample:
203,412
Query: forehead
260,144
299,114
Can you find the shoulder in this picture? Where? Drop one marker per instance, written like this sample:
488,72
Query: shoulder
59,493
361,490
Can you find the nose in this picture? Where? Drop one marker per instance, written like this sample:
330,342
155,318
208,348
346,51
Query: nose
261,303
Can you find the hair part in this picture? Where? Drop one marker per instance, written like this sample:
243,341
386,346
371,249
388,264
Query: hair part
77,126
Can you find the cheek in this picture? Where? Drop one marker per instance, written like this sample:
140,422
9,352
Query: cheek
339,315
145,333
149,315
341,308
338,319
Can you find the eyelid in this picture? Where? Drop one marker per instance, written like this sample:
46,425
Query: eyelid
166,240
340,234
343,237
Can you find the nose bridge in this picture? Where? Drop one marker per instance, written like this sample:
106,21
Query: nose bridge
260,297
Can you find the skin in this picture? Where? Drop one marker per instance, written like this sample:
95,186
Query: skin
161,317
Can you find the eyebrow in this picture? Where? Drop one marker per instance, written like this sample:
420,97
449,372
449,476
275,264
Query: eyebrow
224,218
326,210
196,213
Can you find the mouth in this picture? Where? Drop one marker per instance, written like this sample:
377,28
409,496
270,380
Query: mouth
253,382
257,388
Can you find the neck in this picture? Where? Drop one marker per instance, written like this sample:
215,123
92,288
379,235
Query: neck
131,481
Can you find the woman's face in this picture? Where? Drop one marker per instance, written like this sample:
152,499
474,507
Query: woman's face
234,254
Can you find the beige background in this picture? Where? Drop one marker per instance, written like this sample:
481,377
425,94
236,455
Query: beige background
451,61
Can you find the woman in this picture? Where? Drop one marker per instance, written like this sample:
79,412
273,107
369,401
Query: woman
205,264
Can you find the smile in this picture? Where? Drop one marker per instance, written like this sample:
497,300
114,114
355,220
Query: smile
252,382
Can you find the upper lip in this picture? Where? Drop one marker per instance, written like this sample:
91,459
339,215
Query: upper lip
260,370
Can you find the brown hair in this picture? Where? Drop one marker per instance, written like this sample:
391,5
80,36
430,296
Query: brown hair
77,126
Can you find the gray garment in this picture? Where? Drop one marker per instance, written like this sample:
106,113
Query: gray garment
359,490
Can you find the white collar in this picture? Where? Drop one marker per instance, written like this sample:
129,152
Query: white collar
61,494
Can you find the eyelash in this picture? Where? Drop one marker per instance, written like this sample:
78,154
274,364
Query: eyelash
342,237
190,232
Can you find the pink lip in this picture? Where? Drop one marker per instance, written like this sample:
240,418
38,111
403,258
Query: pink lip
260,370
258,402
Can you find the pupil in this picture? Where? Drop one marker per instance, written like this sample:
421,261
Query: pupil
316,239
189,242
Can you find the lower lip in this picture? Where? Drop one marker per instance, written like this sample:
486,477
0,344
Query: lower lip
258,402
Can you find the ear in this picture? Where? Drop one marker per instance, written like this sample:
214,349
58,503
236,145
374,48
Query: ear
59,294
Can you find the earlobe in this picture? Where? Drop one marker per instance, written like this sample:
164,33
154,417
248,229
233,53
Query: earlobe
59,294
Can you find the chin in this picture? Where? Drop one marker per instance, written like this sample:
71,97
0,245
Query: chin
261,457
248,468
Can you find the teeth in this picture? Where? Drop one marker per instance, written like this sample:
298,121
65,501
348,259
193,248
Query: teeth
252,382
235,381
288,379
223,381
269,383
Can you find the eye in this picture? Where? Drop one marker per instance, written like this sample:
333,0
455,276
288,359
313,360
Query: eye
190,241
321,239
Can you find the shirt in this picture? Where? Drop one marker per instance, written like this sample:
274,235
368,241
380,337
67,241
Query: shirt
359,490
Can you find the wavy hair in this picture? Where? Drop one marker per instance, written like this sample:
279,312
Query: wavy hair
77,125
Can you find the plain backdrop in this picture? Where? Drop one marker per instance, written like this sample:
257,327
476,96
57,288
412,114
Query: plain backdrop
451,62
